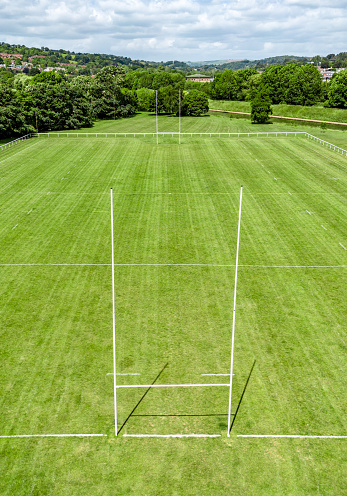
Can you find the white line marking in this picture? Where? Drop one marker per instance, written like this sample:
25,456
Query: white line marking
53,435
169,265
187,193
290,193
275,178
323,227
291,436
20,151
111,373
14,227
308,212
168,385
171,435
343,246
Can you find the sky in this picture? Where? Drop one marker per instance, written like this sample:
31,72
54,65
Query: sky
186,30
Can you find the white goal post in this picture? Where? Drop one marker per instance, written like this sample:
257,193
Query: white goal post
149,386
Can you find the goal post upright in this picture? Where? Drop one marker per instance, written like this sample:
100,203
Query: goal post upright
156,113
179,117
113,323
234,315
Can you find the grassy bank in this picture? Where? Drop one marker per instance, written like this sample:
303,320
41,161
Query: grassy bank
297,111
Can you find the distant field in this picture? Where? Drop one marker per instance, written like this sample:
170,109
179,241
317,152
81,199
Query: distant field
216,123
175,215
315,112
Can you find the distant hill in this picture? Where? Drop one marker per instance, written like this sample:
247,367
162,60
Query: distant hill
210,63
90,63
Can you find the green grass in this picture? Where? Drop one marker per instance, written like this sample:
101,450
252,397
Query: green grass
172,204
215,123
316,112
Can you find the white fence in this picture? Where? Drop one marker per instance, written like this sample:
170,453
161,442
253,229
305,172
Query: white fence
172,134
326,143
15,142
168,133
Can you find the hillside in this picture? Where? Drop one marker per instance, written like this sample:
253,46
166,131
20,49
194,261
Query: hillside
90,63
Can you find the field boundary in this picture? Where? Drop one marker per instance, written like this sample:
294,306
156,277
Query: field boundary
169,133
15,142
179,134
289,436
51,435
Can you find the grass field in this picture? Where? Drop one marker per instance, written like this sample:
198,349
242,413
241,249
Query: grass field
175,215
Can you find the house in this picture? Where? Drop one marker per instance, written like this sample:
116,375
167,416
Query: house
327,74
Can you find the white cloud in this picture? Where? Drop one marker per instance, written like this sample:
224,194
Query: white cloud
179,29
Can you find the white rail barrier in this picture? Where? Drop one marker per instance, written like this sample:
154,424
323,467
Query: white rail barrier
175,133
170,133
14,142
326,143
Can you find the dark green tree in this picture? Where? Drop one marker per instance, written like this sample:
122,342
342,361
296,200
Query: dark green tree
225,86
195,103
48,78
305,86
261,107
337,93
109,102
13,120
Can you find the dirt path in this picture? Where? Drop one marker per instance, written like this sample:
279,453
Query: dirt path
282,117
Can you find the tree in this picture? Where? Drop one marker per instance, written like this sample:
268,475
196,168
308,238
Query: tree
47,78
195,103
55,107
225,86
337,93
305,86
145,99
261,107
107,95
275,80
12,118
34,71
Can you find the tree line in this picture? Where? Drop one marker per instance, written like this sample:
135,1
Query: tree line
53,101
50,102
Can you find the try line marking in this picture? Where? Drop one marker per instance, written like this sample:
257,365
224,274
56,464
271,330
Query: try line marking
168,385
53,435
291,436
170,265
171,435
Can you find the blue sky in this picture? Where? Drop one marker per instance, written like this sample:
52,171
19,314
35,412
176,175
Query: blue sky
179,29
